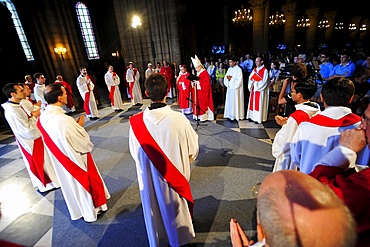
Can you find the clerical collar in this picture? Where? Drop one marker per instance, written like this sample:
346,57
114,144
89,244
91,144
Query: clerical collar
12,102
156,105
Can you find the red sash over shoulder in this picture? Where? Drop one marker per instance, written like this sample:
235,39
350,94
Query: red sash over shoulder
161,162
36,160
300,116
254,100
89,179
346,120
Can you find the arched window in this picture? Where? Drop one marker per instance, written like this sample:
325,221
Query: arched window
87,31
19,29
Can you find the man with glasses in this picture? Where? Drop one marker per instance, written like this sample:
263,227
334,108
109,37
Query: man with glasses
349,181
326,70
302,91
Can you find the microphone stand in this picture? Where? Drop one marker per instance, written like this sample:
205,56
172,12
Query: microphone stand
197,109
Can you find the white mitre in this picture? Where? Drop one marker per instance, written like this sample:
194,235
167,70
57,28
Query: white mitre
196,62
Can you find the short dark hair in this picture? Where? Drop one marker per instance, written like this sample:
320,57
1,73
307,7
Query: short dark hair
37,75
298,70
307,87
338,91
52,92
156,86
10,88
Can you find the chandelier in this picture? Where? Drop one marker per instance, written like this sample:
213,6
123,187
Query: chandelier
323,24
339,26
303,23
242,17
277,20
363,28
352,27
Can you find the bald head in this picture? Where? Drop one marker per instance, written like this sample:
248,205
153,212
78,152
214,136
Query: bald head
295,209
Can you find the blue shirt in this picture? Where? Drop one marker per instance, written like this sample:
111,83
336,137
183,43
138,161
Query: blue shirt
247,65
345,70
326,70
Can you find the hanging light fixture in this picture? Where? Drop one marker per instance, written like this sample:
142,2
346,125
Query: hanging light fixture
363,27
352,27
242,17
303,23
323,24
277,20
339,26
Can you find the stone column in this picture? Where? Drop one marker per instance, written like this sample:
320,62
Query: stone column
260,26
290,24
313,15
331,18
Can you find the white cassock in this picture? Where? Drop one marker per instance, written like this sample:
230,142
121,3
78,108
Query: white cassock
136,97
28,106
283,138
166,213
114,83
39,94
315,138
26,132
234,103
74,142
85,85
258,85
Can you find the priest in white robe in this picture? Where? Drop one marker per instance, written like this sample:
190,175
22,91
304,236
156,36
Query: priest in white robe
112,80
69,147
258,86
31,146
233,80
163,144
85,87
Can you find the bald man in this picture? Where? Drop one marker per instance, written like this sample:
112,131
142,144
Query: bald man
294,209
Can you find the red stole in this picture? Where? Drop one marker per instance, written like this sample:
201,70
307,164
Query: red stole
254,100
36,160
111,94
87,98
300,116
161,162
112,88
90,179
346,120
132,83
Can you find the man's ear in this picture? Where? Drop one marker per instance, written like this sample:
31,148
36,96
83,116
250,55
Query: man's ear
260,233
350,100
322,98
146,93
60,98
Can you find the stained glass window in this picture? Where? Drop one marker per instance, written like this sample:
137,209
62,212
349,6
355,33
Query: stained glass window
18,27
87,31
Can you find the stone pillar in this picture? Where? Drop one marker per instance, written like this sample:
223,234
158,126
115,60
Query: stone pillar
313,15
290,24
260,26
331,18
